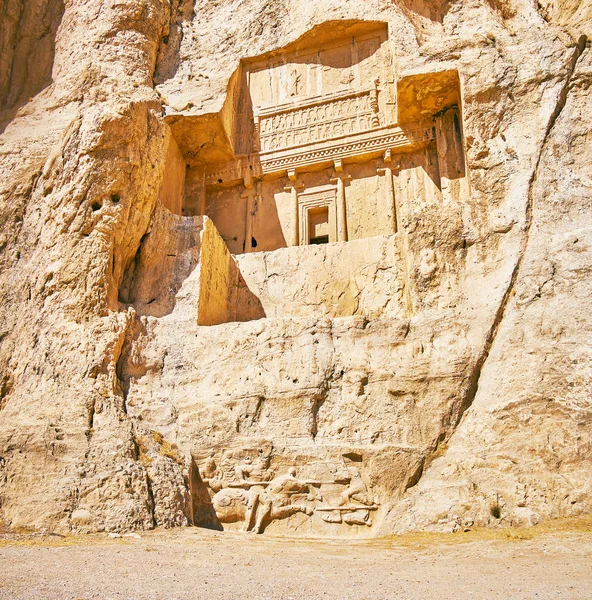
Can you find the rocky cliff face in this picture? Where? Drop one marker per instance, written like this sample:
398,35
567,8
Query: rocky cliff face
450,373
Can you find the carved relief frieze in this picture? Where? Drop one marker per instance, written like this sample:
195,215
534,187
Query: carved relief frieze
317,120
244,488
374,141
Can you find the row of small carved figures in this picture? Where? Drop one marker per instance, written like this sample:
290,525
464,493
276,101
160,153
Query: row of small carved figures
267,499
315,115
247,485
281,139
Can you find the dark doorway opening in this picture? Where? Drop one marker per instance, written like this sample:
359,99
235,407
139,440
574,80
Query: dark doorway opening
322,239
318,225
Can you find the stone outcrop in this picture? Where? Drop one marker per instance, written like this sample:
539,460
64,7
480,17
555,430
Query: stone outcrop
310,268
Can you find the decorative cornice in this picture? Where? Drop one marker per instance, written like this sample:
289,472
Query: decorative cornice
352,146
373,142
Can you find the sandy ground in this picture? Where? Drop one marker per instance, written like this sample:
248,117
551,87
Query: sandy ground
195,564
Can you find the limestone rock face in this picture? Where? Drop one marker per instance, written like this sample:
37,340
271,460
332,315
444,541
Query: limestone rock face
317,268
523,442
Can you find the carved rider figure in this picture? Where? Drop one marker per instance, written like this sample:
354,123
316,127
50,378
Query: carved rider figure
250,471
253,475
276,501
356,489
211,474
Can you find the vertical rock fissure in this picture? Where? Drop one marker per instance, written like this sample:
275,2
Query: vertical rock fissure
473,386
317,403
151,502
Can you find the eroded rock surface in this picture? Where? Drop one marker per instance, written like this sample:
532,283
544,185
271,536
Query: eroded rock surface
173,350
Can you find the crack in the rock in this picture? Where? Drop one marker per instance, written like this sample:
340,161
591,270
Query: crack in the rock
317,403
151,501
499,316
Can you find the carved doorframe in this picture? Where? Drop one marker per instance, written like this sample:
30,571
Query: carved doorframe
317,198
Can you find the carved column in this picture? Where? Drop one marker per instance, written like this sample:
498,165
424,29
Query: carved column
256,134
340,179
375,119
451,156
249,193
294,187
296,229
391,198
250,197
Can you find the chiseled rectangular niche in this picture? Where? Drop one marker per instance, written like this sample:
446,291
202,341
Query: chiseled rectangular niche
299,113
311,142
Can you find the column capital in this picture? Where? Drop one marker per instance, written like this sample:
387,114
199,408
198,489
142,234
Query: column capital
395,165
294,185
340,177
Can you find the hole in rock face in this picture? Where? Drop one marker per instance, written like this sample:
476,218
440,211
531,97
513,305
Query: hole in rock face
322,239
96,206
353,456
115,198
253,243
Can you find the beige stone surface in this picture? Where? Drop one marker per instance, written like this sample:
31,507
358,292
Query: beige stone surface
520,445
436,377
359,278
